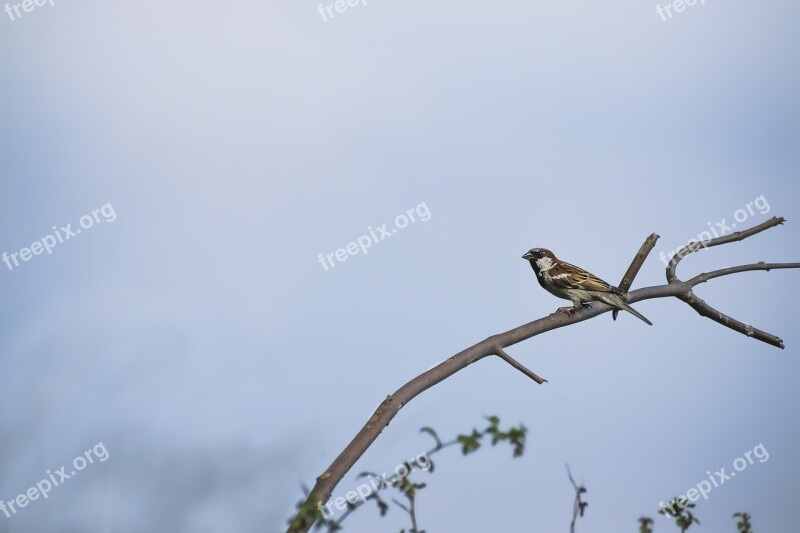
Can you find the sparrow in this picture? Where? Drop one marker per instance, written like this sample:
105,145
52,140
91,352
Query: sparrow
574,283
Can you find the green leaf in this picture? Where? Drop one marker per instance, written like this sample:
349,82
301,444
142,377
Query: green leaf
470,443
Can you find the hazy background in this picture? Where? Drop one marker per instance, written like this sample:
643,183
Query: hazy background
199,339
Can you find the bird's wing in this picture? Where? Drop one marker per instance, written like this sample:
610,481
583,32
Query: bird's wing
567,276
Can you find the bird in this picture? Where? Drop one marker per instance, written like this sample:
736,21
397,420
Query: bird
574,283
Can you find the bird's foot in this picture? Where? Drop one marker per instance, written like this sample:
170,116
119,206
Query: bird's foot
571,310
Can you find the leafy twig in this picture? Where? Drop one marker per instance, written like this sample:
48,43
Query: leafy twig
469,443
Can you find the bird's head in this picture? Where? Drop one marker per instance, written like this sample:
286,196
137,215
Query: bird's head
535,254
541,259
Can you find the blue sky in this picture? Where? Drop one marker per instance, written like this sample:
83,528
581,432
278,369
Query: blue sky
200,340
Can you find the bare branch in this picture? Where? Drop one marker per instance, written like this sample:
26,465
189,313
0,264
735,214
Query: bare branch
638,261
636,264
717,316
494,345
733,237
702,278
519,366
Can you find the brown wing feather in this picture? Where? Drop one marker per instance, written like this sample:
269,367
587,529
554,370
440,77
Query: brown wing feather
578,279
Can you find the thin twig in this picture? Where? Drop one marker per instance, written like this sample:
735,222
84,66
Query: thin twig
519,366
704,277
729,322
733,237
391,480
638,261
579,506
636,265
412,513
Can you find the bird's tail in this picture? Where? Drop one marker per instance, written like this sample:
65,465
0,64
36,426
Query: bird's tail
618,301
635,313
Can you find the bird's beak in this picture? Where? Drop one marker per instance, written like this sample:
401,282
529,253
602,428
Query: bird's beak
527,256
